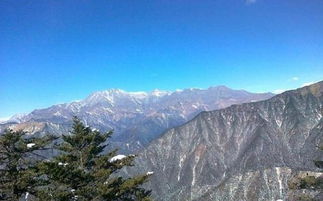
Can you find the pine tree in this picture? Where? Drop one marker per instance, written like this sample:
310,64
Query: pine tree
18,164
82,172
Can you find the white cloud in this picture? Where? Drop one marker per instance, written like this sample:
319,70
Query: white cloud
295,78
251,1
279,91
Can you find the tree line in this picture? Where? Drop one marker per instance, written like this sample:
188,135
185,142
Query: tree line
82,171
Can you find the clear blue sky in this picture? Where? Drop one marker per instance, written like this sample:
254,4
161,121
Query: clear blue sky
58,51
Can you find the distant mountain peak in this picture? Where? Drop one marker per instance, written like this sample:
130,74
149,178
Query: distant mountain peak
16,118
220,87
138,117
159,93
109,94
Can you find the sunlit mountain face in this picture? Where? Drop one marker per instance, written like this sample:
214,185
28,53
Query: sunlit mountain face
137,118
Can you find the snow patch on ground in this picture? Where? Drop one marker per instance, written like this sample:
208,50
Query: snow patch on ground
62,164
197,158
150,173
30,145
180,167
279,181
116,158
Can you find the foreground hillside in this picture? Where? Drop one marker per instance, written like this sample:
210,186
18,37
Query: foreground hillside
243,152
136,117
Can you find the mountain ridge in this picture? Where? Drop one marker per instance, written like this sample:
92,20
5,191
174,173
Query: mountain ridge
136,117
136,94
198,156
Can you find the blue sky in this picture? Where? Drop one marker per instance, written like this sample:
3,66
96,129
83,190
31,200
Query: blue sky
59,51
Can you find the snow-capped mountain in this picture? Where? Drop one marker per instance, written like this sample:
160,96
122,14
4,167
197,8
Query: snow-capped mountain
136,117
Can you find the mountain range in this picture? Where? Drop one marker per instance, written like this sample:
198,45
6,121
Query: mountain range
242,152
136,117
202,144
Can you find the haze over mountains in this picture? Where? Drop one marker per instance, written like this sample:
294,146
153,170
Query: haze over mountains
136,117
243,152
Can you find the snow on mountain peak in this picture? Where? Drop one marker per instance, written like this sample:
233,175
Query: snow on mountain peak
159,93
111,94
16,118
115,91
138,94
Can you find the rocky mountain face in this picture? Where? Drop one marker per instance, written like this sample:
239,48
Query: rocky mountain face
136,117
243,152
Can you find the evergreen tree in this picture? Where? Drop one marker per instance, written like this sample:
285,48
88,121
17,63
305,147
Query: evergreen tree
18,161
82,172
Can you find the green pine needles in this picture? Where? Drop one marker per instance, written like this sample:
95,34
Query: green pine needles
80,172
18,164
